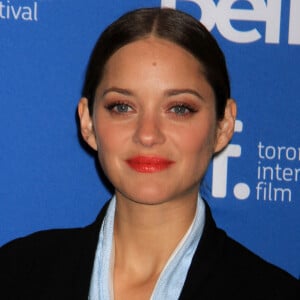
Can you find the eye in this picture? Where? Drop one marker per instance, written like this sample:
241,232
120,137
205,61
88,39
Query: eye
182,109
119,108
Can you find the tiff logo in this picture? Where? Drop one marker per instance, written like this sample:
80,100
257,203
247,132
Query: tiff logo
220,171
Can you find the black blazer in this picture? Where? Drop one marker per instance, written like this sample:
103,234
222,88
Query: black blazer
57,264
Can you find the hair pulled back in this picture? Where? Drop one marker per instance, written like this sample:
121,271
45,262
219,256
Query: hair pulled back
169,24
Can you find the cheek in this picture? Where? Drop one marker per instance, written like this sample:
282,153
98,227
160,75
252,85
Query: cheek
108,135
108,142
196,140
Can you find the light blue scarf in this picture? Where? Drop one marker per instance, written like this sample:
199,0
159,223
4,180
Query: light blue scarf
171,279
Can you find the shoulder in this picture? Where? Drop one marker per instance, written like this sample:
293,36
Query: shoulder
232,271
241,259
39,251
40,242
251,272
52,242
50,261
229,268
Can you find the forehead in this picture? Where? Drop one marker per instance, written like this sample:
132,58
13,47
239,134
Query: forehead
158,47
152,54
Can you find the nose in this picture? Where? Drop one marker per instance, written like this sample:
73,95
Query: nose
148,131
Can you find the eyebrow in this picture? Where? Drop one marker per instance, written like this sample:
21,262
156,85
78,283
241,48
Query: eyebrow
175,92
169,92
114,89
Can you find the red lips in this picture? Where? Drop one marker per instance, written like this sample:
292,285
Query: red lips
149,164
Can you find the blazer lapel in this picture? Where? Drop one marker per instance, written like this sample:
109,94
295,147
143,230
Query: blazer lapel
205,259
86,254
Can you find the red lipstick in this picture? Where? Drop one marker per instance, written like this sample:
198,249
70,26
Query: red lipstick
149,164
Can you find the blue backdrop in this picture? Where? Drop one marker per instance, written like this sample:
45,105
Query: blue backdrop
48,180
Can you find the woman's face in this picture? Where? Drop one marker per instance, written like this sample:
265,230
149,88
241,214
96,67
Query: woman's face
154,122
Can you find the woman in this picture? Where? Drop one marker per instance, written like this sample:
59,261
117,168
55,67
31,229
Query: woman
156,107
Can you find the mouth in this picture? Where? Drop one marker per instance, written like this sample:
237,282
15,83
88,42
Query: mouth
149,164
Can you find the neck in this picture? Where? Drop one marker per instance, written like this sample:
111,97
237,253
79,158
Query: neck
146,235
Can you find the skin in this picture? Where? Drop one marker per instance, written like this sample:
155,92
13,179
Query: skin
153,100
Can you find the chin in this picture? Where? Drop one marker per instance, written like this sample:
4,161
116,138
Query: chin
148,197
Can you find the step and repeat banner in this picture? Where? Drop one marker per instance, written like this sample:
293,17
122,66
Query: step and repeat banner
48,179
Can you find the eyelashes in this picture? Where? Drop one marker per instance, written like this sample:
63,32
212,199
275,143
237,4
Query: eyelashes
178,109
119,107
182,109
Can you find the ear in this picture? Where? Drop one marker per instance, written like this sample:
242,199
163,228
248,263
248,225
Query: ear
226,126
86,124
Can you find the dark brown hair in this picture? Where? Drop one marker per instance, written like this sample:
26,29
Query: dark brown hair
166,23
